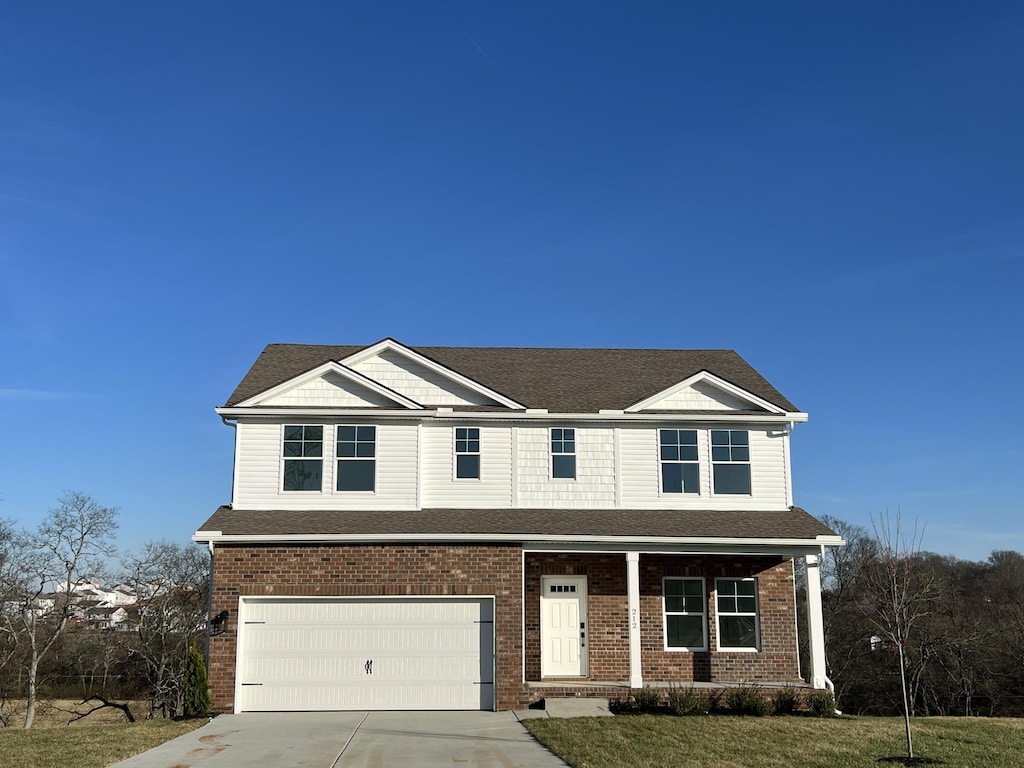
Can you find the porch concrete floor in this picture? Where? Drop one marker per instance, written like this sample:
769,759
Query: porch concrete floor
659,684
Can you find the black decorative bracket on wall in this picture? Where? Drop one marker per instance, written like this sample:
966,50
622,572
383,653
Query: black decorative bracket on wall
219,623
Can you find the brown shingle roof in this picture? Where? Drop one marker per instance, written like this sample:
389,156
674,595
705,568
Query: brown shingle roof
793,523
561,380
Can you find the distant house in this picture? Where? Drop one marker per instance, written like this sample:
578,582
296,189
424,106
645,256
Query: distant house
482,528
105,617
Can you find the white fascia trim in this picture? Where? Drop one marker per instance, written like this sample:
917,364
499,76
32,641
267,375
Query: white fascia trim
533,541
703,376
332,367
237,411
448,373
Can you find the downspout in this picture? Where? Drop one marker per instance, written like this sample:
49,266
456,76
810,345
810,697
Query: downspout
209,605
209,597
233,423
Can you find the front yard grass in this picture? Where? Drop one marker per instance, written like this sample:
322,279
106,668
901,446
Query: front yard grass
721,741
85,747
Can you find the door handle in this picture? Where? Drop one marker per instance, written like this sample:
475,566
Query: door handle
368,666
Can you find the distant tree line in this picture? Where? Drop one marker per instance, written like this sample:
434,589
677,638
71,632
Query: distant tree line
964,652
49,646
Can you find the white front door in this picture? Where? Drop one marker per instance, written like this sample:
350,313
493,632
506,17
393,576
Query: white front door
563,626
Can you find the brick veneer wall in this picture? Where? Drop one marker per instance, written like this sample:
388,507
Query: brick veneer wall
330,570
776,662
607,620
607,617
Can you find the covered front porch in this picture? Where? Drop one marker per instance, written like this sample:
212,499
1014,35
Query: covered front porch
600,622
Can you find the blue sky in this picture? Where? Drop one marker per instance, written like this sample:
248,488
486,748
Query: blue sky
833,190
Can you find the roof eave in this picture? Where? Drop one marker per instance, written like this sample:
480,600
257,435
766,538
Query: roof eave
388,413
691,544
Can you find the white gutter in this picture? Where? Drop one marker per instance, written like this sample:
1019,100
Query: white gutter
540,540
447,415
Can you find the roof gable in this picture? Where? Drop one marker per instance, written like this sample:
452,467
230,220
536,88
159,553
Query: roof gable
405,371
331,385
560,380
704,392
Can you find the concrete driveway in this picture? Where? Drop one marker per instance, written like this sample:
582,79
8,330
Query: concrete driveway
353,740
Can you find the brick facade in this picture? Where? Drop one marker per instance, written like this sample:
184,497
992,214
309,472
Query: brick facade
369,570
775,662
608,629
607,618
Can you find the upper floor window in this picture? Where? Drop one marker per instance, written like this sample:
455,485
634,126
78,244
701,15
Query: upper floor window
737,614
303,452
357,462
730,460
563,453
680,472
685,610
467,452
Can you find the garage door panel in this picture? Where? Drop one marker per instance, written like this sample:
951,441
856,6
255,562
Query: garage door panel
318,654
326,698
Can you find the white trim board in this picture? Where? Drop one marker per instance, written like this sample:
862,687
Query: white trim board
617,544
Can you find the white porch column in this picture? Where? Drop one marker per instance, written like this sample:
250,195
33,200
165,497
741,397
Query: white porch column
636,678
815,625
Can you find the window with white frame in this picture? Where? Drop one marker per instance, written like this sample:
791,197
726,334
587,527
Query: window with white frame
730,460
563,453
302,453
680,472
685,613
467,452
736,604
357,458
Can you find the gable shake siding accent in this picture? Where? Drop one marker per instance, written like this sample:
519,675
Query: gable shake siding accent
330,391
440,487
417,382
701,396
594,486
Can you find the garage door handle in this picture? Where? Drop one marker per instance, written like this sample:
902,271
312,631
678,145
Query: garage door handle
369,666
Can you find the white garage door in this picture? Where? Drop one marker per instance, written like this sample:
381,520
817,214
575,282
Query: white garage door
299,654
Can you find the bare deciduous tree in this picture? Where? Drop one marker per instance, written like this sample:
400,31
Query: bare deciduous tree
39,574
897,594
172,582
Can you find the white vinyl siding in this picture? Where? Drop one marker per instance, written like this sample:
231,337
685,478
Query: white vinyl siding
258,470
406,451
641,481
594,486
417,382
441,488
331,391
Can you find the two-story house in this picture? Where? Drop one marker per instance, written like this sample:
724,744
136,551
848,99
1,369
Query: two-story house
482,528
